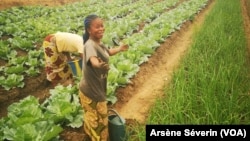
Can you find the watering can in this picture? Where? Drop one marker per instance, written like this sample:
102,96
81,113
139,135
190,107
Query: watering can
116,126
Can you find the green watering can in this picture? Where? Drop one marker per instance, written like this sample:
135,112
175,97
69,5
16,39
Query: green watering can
116,123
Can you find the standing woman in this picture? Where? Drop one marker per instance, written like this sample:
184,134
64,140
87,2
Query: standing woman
57,48
93,85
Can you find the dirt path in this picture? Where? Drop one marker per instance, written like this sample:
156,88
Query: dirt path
136,99
246,19
5,4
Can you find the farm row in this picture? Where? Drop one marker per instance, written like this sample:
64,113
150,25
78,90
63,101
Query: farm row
122,20
20,42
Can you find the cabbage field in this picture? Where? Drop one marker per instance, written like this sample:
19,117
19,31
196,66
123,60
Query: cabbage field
22,56
143,24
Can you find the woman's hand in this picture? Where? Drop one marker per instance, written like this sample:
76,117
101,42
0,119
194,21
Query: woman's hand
102,65
124,47
113,51
99,63
67,54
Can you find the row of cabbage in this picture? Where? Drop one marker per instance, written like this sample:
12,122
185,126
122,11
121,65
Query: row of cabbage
143,44
63,108
24,28
30,120
44,120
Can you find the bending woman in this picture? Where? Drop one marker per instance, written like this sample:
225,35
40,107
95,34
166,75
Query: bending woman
93,85
57,49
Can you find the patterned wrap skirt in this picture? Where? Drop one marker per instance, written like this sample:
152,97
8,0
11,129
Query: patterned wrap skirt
95,118
56,66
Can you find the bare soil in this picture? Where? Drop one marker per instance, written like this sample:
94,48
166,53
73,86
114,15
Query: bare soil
134,100
245,4
4,4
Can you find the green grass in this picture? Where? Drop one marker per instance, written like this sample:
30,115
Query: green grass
212,85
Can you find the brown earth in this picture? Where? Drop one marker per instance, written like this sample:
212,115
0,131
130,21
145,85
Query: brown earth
134,100
245,4
4,4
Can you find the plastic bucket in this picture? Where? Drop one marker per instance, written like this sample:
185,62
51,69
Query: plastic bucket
76,67
116,123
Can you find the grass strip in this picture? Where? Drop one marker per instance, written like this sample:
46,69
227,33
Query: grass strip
212,84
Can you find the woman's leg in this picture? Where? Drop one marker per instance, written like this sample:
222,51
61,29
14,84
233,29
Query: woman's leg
95,118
